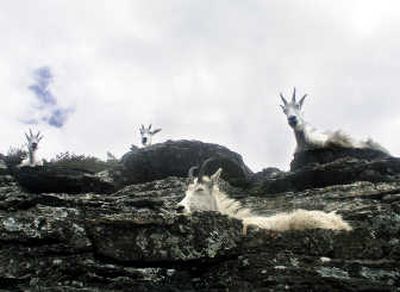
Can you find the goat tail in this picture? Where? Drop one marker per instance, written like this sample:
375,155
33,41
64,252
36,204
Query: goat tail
299,220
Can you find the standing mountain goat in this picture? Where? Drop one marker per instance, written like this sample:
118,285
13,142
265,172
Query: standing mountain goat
32,144
147,135
203,194
307,137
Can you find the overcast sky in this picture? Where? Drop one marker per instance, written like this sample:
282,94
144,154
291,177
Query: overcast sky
88,73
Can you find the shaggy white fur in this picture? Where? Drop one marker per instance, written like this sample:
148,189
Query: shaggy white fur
147,135
308,137
32,144
206,196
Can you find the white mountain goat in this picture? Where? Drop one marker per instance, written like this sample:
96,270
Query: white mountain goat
307,137
203,194
32,144
147,135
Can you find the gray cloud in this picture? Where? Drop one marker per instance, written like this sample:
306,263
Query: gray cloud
47,109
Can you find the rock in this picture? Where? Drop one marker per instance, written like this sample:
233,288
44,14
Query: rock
52,179
341,171
174,158
155,238
3,168
133,239
327,155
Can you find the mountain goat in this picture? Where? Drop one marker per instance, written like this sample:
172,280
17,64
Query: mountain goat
307,137
32,144
147,135
203,194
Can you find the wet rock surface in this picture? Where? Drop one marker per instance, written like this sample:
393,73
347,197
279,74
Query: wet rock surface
133,239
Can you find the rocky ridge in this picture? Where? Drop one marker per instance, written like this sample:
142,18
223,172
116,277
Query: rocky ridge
132,238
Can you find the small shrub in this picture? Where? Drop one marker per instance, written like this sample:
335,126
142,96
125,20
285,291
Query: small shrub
15,156
75,161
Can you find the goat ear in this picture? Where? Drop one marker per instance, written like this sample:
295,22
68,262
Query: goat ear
283,107
215,177
156,131
301,102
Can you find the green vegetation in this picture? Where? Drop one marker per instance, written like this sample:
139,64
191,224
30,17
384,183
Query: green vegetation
83,162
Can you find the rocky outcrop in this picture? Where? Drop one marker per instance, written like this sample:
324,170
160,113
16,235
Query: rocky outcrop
53,179
3,168
6,179
133,239
328,155
174,158
349,166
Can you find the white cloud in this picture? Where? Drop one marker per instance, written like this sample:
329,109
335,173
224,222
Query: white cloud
203,69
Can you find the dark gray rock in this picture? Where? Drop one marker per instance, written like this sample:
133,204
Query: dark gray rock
344,170
134,240
3,168
161,238
174,158
327,155
53,179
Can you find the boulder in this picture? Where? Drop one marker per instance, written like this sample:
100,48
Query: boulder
175,158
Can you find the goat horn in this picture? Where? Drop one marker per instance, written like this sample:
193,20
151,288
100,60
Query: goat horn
283,99
294,95
191,171
150,126
203,168
302,99
30,132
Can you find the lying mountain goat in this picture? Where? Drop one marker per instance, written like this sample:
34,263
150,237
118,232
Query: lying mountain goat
147,135
307,137
32,144
203,194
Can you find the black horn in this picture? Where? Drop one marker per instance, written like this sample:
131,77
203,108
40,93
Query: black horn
191,172
202,169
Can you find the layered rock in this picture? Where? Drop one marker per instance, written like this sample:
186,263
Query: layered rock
328,155
133,239
321,170
53,179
